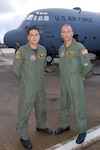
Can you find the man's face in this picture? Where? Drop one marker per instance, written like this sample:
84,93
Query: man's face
66,33
33,37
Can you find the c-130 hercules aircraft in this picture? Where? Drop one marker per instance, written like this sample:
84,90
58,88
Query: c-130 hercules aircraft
86,27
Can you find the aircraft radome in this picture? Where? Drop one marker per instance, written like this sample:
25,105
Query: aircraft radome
86,27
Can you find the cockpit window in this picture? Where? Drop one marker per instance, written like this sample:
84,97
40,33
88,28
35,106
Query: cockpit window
29,17
38,16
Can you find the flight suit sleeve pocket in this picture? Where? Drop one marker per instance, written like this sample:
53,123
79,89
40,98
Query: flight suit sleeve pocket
86,65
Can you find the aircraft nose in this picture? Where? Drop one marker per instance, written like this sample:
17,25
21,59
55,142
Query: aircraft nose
13,36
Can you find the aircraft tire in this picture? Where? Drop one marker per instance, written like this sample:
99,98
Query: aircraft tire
49,59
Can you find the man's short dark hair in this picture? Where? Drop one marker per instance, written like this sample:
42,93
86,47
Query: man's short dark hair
32,28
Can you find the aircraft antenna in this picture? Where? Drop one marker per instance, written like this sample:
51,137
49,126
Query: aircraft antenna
77,8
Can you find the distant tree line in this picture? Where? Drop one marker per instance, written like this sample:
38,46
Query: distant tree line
2,45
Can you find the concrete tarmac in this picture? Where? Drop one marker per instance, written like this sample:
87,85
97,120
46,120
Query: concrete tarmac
9,90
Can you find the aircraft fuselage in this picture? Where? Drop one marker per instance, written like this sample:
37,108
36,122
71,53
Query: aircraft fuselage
85,26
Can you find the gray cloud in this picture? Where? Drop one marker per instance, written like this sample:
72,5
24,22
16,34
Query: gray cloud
6,6
10,18
9,24
12,6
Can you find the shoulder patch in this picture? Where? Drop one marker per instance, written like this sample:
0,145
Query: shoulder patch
62,54
84,51
17,55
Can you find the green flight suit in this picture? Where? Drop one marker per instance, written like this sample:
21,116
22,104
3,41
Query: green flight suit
74,65
28,67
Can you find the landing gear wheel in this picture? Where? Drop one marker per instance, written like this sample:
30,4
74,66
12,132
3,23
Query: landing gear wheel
49,59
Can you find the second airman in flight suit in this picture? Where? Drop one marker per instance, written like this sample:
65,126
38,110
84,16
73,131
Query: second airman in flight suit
74,66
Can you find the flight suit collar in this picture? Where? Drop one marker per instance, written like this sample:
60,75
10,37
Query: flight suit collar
73,41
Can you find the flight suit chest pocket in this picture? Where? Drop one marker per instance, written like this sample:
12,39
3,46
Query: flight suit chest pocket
41,59
72,61
29,60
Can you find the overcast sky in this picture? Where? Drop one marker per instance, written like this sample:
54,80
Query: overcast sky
12,12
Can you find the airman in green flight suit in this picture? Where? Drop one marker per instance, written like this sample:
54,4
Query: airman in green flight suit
74,66
28,66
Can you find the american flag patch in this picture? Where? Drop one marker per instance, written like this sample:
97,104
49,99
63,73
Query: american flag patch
84,51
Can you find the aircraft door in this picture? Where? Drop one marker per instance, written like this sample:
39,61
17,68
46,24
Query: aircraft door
76,37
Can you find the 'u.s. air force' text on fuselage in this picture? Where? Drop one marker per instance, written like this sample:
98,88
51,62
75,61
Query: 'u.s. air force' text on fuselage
73,18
